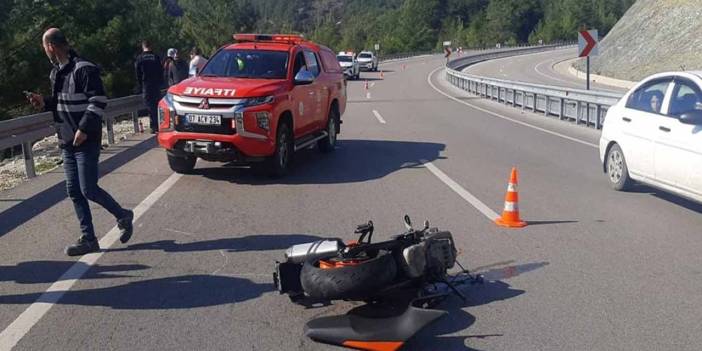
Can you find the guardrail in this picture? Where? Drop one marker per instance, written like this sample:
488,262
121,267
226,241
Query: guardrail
586,107
401,56
28,129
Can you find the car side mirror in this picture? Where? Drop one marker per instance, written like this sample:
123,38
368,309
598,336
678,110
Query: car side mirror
692,117
304,77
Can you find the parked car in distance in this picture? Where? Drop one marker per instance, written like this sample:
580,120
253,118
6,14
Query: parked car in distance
367,61
348,63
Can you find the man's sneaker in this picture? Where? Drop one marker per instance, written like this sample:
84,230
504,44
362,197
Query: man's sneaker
126,227
82,247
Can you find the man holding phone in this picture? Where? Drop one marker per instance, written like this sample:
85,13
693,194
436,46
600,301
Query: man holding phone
77,102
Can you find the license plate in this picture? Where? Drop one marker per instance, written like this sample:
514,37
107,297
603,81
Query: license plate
210,120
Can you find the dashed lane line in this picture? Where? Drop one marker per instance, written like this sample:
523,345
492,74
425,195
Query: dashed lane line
379,117
458,189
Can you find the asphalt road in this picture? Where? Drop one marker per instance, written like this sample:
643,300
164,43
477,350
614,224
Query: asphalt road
595,269
536,68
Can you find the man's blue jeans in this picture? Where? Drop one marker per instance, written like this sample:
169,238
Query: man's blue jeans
81,167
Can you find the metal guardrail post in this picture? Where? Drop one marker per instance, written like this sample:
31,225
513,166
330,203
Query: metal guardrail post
587,114
109,123
561,111
28,159
523,100
135,119
598,122
578,113
536,97
547,106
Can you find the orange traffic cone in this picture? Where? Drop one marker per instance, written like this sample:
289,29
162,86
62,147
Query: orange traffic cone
381,75
510,215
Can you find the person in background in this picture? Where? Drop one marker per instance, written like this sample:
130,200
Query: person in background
78,102
174,69
197,62
149,76
167,62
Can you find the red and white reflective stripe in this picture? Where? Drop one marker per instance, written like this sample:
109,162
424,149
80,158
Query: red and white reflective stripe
512,187
511,206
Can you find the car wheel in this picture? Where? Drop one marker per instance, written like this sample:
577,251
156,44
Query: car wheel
617,171
278,165
328,144
182,165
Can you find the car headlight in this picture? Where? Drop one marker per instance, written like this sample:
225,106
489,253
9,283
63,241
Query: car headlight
168,99
259,101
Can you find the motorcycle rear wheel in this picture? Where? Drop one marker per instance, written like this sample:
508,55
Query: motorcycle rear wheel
350,282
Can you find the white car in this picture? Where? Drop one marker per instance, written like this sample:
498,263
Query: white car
367,61
653,135
349,65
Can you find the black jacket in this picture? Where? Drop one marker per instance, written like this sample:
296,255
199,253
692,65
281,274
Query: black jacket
149,74
175,71
77,101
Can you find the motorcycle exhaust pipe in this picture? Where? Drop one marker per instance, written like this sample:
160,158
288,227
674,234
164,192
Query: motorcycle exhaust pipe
314,250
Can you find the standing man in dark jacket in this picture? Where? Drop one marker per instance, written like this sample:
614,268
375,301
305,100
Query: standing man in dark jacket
78,102
175,69
149,76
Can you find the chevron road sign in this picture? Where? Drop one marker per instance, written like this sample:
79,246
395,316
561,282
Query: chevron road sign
588,43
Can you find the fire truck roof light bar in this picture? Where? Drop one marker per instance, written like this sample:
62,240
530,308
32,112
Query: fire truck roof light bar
276,38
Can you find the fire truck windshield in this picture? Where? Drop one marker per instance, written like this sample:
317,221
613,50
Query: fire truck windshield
253,64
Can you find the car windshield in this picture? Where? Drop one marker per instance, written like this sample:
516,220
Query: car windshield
364,56
254,64
344,58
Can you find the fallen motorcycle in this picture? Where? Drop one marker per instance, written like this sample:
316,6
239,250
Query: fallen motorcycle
400,280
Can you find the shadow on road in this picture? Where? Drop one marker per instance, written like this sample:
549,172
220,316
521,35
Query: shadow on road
263,242
663,195
19,214
364,78
511,271
436,336
549,222
34,272
352,161
188,291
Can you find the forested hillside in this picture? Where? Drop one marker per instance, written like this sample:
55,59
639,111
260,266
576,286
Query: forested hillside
108,31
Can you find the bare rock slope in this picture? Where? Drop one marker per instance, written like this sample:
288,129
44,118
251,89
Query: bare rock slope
653,36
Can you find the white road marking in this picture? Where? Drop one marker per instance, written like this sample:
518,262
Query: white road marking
372,84
368,95
179,232
470,198
31,316
226,262
505,117
538,71
379,117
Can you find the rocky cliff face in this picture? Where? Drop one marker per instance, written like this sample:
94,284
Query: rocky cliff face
653,36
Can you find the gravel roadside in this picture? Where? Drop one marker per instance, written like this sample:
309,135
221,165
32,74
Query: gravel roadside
47,155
